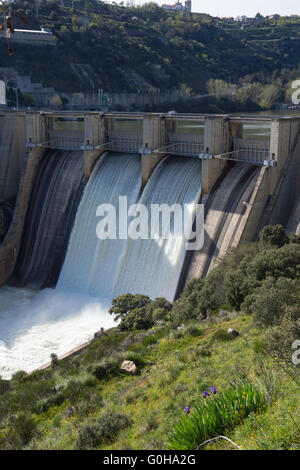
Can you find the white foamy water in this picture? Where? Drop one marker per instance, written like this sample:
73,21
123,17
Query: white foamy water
91,265
153,266
35,324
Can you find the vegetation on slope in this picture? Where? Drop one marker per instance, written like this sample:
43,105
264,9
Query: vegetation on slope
130,48
183,355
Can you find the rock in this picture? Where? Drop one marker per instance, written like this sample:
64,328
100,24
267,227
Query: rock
232,332
129,367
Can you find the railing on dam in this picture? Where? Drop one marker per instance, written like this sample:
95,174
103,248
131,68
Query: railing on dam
251,151
65,140
250,139
184,137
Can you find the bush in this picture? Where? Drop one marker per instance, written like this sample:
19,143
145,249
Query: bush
159,314
104,430
280,339
106,369
136,311
54,361
268,301
215,415
137,319
193,331
126,303
222,335
18,376
43,405
22,429
274,234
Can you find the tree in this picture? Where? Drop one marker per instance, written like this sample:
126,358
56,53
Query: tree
126,303
274,234
267,303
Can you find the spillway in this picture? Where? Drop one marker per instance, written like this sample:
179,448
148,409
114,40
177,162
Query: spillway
107,268
152,266
224,213
54,199
91,264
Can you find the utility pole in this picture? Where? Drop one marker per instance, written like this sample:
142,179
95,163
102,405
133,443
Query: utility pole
37,8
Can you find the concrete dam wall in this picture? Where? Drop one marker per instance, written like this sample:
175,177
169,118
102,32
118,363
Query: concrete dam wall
244,170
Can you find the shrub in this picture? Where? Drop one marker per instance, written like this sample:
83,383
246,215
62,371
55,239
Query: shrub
216,415
222,335
136,311
54,361
137,319
43,405
22,429
106,368
4,386
105,429
126,303
159,314
274,234
268,301
193,331
280,339
18,376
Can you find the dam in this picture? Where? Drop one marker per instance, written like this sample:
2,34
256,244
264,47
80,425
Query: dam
57,167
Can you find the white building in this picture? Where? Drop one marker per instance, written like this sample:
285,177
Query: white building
41,37
179,6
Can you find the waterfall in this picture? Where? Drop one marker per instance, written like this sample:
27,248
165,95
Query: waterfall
110,267
91,264
53,203
153,266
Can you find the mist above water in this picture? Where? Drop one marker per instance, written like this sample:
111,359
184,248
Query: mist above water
34,325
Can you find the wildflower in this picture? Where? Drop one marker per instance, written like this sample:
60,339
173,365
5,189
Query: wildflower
213,390
187,410
205,394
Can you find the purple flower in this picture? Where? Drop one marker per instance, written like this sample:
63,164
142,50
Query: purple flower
213,390
187,410
205,394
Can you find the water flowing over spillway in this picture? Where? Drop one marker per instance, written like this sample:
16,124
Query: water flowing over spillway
54,200
91,264
152,266
107,268
35,324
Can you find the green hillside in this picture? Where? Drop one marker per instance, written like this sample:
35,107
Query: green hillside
129,48
87,401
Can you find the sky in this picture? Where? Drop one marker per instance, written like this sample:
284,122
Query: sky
239,7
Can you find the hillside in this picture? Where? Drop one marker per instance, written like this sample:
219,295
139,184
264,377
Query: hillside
86,401
127,49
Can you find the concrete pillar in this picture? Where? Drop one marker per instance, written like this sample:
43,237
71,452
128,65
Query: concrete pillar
94,136
154,137
36,128
217,140
35,134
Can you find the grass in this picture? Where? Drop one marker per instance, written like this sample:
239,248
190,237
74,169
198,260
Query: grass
216,415
173,373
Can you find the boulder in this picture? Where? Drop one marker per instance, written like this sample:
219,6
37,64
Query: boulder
129,367
232,332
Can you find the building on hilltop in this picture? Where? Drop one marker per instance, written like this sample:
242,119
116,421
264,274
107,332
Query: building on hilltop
179,6
43,37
